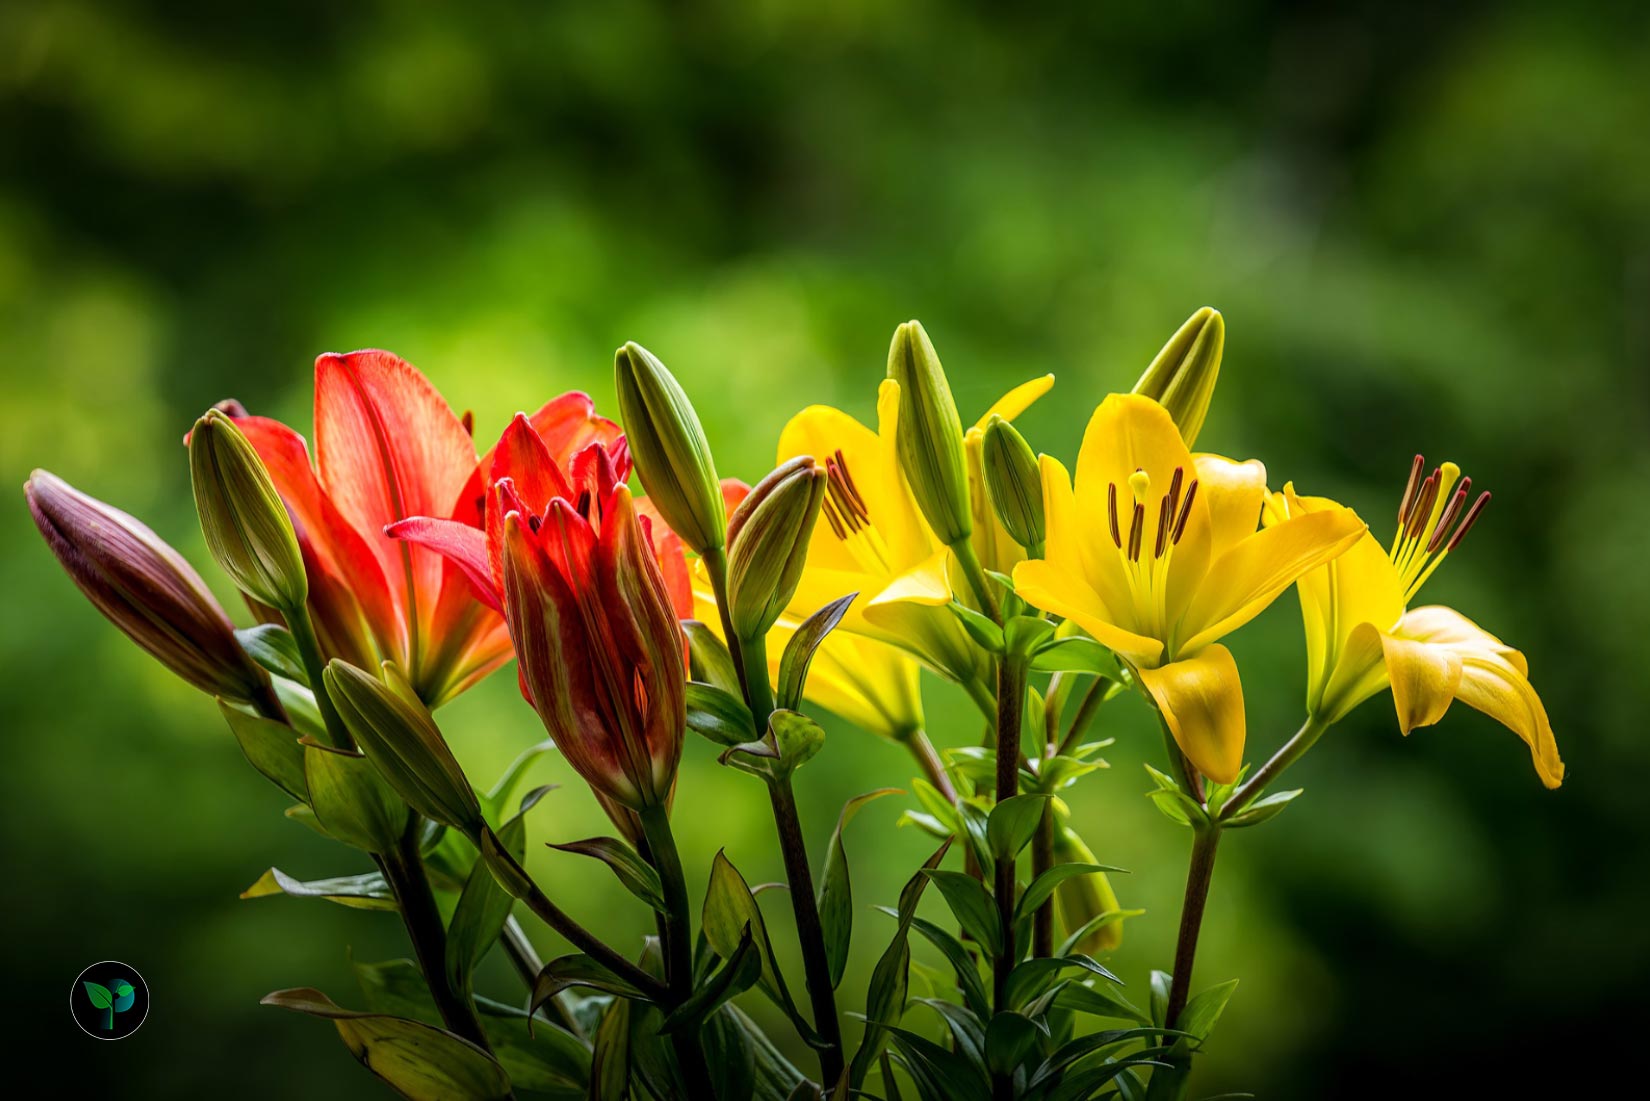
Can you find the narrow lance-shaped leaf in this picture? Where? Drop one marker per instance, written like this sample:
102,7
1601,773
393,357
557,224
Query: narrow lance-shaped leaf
971,904
736,975
482,907
367,891
799,651
836,900
636,874
270,747
351,800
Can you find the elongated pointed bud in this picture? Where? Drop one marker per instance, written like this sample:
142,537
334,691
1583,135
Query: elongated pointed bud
768,544
247,527
1015,484
397,734
144,587
1082,898
1182,377
669,448
929,434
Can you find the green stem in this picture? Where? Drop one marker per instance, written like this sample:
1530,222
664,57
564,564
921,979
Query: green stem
309,648
1042,859
678,943
809,932
716,565
1092,699
977,580
1251,789
528,963
753,677
404,869
1205,839
1011,689
933,768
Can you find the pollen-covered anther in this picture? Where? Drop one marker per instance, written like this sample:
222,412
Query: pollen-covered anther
844,508
1432,521
1173,511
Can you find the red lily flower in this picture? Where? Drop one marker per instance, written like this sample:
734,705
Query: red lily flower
602,655
389,447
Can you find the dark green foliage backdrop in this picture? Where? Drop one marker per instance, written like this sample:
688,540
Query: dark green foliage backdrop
1429,229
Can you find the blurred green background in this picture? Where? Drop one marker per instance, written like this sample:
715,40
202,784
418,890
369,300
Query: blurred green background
1428,227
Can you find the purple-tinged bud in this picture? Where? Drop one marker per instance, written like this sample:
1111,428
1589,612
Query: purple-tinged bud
145,588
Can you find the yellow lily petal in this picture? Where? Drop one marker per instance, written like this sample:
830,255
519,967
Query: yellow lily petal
1251,574
1424,679
1044,585
821,431
1201,699
925,583
1235,492
1017,400
1494,679
1361,586
1358,673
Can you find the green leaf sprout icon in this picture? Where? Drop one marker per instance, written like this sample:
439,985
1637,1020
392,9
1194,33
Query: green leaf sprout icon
117,997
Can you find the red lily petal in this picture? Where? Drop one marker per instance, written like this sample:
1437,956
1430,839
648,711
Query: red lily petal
568,424
462,545
389,447
331,542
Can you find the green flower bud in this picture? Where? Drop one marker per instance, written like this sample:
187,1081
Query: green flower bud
1082,898
768,544
396,733
1182,377
929,434
1015,485
247,527
669,447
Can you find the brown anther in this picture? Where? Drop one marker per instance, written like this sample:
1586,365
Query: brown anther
1136,528
1422,510
1111,507
533,523
1415,469
583,505
1165,513
1467,522
851,513
1185,512
1451,511
1174,490
468,420
829,509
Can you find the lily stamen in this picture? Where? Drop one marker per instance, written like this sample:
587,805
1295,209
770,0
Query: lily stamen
1432,521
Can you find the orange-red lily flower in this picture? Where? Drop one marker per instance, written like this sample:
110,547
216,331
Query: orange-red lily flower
602,654
388,447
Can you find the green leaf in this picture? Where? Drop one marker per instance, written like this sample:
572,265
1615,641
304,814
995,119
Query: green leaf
731,1056
1024,634
836,900
366,891
419,1061
610,1067
1083,1047
547,1058
273,647
981,628
729,910
885,995
799,651
577,970
775,1077
100,996
352,802
1031,977
939,1073
1042,888
637,876
1262,810
270,747
1099,1001
1204,1009
967,1033
1012,823
962,962
972,906
974,823
482,907
1009,1039
1077,655
1161,981
797,738
496,803
708,659
1096,922
719,715
737,974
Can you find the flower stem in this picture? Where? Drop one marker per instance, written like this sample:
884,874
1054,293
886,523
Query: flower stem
810,933
1011,688
1205,839
1042,859
1311,730
678,943
977,580
716,565
404,870
527,962
932,768
309,648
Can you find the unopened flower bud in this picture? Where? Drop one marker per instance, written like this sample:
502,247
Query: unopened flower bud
929,434
145,588
1015,484
768,544
397,734
1182,377
669,448
247,527
1082,898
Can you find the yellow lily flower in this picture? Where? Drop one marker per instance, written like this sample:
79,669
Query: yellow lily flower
875,542
1154,552
1362,636
868,683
